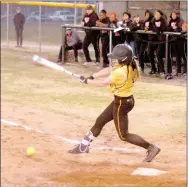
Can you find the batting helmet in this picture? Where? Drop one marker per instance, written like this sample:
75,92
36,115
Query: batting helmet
123,53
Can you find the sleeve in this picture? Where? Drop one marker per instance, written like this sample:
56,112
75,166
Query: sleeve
14,20
23,19
163,25
169,28
179,26
75,38
118,76
92,21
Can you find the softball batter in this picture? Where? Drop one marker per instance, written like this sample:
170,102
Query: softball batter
121,79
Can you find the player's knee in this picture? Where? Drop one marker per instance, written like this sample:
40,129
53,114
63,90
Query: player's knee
123,136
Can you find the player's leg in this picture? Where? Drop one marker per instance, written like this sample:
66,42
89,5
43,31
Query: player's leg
105,117
21,36
76,47
17,35
122,107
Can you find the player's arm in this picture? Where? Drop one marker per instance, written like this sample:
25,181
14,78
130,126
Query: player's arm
102,73
99,83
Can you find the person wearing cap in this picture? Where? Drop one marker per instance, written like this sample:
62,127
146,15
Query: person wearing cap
158,44
72,42
147,26
175,25
19,20
121,79
127,37
104,21
92,36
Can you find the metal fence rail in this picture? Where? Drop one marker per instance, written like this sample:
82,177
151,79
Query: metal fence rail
110,37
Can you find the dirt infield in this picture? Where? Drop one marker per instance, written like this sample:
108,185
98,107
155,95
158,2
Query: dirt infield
59,105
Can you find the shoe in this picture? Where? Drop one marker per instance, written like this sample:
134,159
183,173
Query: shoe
86,63
59,61
76,60
184,76
105,65
152,152
152,72
160,75
168,76
80,148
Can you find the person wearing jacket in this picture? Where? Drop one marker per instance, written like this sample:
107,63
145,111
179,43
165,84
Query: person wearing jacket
92,36
104,21
182,43
72,42
19,20
126,37
137,25
158,43
116,37
175,25
147,26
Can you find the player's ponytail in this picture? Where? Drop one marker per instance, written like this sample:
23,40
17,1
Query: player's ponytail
136,69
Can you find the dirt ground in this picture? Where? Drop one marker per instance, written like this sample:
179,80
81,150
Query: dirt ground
58,105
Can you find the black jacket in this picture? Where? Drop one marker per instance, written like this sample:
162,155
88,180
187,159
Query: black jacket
135,27
90,21
148,25
159,26
19,20
126,36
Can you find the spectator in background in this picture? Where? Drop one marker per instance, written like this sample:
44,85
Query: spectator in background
125,36
147,26
72,42
182,43
104,21
19,20
137,25
175,25
159,26
92,36
116,38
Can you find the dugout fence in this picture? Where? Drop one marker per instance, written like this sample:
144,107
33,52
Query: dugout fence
167,34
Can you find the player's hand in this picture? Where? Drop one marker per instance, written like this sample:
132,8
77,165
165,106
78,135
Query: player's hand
83,79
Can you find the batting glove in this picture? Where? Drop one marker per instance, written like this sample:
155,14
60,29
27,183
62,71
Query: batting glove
83,79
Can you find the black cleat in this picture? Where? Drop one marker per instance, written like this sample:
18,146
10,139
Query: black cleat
80,148
152,153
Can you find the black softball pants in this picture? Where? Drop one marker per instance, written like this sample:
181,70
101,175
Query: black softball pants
94,40
118,111
141,55
75,47
19,35
105,49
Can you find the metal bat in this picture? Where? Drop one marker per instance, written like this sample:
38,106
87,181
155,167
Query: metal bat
52,65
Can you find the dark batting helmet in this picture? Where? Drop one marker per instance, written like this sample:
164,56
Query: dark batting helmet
123,53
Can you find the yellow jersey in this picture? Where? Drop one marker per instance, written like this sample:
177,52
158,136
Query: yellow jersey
122,81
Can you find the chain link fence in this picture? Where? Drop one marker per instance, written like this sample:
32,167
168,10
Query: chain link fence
43,24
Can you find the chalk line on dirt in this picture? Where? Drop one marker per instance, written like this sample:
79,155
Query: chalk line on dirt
67,140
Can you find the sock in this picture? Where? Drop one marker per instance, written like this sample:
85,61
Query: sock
87,138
